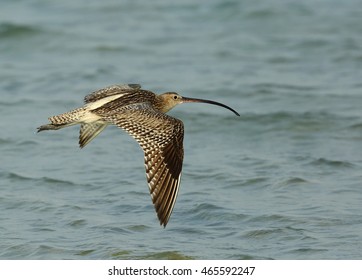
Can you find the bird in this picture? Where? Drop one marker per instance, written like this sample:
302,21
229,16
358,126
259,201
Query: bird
142,114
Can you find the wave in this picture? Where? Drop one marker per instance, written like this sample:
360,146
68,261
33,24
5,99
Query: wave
5,141
331,163
12,30
213,213
292,181
268,86
167,255
356,126
18,177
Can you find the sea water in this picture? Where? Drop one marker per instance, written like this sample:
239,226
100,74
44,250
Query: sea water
282,181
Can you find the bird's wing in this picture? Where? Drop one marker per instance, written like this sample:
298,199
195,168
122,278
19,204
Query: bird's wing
88,131
109,91
161,138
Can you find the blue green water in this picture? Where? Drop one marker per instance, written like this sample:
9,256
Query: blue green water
283,181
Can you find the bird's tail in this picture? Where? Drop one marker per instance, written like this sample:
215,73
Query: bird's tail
63,120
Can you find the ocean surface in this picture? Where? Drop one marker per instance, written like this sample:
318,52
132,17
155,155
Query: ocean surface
282,181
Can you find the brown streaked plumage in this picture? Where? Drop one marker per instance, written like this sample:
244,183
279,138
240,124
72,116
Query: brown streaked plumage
142,114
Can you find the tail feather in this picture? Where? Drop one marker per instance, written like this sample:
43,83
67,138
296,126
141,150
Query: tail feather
63,120
91,124
51,127
69,117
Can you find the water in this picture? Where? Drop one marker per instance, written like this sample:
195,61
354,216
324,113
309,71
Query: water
283,181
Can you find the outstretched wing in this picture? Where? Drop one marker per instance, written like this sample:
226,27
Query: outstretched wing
161,138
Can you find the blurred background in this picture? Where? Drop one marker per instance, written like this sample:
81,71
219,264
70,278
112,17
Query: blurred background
283,181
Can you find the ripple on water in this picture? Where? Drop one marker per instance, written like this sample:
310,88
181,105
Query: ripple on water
214,214
324,162
78,223
255,181
167,255
16,177
356,126
274,218
122,254
11,30
292,181
85,252
4,141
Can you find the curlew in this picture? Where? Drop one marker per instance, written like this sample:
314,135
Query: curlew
141,113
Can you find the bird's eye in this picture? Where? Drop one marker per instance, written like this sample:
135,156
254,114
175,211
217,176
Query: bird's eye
175,97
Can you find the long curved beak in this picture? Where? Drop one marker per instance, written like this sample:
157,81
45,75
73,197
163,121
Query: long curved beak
189,100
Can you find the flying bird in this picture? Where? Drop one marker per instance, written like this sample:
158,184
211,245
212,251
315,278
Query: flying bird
142,114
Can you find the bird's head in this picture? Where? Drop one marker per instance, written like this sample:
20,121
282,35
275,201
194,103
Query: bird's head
168,100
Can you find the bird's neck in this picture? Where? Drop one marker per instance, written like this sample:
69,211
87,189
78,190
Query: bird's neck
161,104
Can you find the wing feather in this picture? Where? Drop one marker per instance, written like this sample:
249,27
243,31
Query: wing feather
161,138
88,131
109,91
